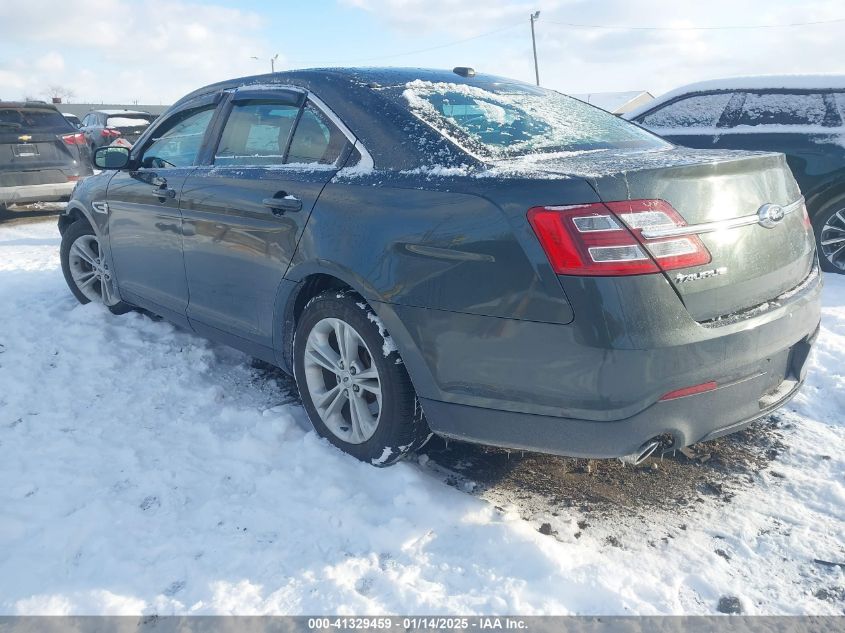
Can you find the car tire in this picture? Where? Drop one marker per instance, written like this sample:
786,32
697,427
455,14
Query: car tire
361,400
829,224
86,271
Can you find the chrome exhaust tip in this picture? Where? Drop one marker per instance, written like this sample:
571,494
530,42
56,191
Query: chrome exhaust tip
642,453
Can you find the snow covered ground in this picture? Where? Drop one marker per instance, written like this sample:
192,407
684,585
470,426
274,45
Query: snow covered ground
145,470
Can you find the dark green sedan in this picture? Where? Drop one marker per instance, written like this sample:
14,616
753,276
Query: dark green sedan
802,116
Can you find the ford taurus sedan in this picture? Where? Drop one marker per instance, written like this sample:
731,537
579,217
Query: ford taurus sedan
460,254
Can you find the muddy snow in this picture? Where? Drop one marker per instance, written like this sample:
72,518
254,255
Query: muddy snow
148,471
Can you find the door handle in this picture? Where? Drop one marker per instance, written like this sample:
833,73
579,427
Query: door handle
284,203
164,192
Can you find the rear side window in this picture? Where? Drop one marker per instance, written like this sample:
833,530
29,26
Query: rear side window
316,139
779,108
695,111
265,133
256,133
33,120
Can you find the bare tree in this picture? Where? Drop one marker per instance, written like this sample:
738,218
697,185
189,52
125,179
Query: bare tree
59,93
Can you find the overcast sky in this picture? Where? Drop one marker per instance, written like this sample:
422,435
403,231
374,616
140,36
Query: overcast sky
124,51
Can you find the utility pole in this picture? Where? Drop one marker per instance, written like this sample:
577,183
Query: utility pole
272,61
534,17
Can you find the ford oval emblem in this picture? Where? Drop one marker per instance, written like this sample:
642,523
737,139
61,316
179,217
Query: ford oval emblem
770,215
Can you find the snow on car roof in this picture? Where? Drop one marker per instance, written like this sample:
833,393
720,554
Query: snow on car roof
123,112
750,82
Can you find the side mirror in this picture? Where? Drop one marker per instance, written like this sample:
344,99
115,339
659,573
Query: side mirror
111,157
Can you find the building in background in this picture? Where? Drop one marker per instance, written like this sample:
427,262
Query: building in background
616,102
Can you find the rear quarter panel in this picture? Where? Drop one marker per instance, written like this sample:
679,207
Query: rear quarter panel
429,253
455,244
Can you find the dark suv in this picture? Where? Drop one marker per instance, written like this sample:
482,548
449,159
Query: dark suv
103,127
801,116
42,155
463,254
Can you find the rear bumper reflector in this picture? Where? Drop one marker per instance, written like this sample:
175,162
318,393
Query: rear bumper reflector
689,391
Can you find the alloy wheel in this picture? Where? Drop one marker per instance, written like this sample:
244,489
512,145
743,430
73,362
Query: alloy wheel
832,239
342,380
90,270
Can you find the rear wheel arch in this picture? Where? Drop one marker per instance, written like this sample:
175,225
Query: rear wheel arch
291,304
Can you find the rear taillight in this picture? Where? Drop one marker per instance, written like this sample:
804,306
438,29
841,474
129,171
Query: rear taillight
74,139
108,132
808,223
607,239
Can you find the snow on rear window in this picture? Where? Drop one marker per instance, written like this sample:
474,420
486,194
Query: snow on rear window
696,111
514,120
779,108
124,121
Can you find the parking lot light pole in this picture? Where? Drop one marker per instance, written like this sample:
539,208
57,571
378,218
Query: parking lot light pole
272,61
534,17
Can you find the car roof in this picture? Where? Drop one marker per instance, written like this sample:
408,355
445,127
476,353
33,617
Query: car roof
28,104
825,82
114,112
383,77
390,133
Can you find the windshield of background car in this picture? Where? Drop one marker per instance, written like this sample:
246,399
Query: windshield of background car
17,121
505,120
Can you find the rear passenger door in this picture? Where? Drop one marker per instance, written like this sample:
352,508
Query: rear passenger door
244,212
804,125
691,121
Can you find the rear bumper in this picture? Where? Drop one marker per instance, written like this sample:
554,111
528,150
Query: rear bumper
36,193
593,388
676,423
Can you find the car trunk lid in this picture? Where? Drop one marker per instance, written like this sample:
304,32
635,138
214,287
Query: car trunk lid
718,195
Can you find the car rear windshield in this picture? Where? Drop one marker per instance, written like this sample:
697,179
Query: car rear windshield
505,120
125,120
33,120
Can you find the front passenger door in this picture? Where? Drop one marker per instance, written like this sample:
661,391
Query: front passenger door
145,225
